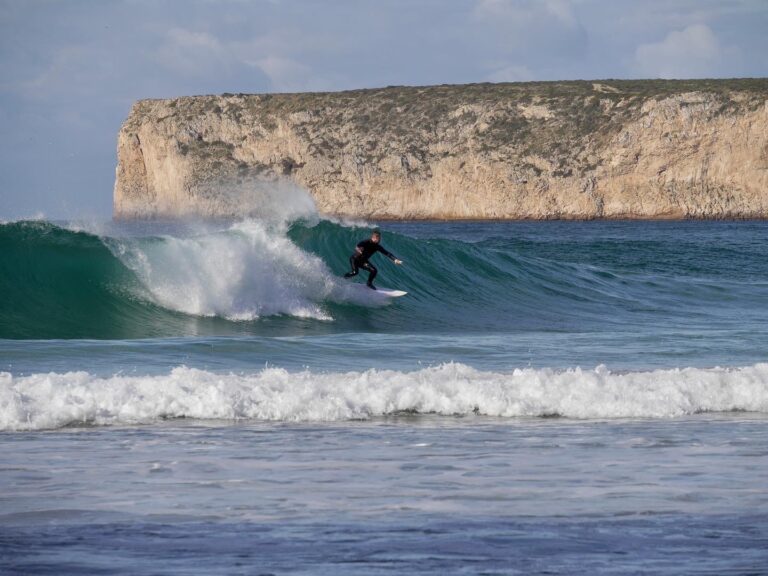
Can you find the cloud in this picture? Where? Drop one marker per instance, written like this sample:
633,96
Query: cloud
64,70
693,52
276,55
280,55
192,53
522,12
528,39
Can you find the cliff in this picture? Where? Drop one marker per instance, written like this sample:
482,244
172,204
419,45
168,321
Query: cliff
607,149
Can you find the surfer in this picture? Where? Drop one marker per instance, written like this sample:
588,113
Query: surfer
363,251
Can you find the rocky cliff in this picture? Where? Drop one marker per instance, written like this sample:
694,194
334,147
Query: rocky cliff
608,149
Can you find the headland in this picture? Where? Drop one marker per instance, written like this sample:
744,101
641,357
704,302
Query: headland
613,149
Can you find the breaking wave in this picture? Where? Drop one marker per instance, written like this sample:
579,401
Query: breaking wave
49,401
280,274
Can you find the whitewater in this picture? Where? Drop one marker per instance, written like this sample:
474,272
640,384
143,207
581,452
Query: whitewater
54,400
550,397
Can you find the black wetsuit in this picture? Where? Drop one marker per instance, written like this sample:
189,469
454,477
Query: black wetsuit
360,260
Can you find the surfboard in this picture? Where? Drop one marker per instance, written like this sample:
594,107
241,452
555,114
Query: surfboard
379,292
389,293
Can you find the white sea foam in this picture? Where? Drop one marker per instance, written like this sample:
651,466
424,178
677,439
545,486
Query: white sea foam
44,401
36,217
247,271
250,270
267,201
348,221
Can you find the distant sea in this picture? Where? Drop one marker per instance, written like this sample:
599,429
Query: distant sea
549,398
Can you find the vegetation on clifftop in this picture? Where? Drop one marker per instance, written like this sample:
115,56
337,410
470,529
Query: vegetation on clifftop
398,111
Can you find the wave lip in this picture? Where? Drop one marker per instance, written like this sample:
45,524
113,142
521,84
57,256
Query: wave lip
49,401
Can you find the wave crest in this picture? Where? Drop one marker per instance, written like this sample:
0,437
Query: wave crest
242,273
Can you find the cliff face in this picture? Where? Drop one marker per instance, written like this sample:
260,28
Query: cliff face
609,149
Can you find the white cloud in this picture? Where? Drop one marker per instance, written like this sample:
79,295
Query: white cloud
693,52
517,12
192,53
201,54
528,39
62,70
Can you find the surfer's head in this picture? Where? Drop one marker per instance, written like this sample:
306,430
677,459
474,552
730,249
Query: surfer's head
375,236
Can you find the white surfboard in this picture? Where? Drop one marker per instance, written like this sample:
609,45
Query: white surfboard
389,293
379,292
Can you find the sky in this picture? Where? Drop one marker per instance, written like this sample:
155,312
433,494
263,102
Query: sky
70,69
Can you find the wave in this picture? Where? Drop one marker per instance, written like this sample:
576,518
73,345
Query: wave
49,401
243,273
62,283
282,276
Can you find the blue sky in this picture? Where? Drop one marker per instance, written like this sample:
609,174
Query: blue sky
69,70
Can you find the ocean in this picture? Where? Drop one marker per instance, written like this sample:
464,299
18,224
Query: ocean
212,397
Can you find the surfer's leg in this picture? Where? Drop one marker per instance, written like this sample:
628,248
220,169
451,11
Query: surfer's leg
372,271
353,265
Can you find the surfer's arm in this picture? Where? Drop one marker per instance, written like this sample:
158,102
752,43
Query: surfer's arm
389,255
